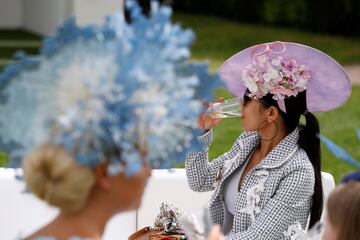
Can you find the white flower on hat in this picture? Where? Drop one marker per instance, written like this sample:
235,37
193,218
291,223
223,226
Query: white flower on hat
272,74
282,78
250,82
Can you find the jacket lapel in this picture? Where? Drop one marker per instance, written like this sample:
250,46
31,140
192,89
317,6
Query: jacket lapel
247,143
282,152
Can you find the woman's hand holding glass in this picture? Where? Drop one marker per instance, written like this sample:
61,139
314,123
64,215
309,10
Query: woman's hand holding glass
206,120
218,110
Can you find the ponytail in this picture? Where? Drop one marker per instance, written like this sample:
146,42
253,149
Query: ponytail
309,141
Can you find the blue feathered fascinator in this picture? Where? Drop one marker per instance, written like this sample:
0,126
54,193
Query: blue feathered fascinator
100,89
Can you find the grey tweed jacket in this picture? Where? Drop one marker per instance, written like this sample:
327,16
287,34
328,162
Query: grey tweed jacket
275,198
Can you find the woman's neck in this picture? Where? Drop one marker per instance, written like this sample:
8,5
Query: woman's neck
89,223
266,146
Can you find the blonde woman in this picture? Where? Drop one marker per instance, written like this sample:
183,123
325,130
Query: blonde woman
87,197
92,113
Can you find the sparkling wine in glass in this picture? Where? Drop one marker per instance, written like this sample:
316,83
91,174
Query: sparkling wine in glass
228,109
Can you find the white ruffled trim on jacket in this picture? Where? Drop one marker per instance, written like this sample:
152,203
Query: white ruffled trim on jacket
294,232
253,195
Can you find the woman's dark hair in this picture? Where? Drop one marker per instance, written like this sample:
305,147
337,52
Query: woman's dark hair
308,140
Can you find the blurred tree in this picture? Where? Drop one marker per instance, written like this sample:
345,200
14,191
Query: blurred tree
334,16
284,12
327,16
4,159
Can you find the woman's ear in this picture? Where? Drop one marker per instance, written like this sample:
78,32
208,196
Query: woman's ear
101,175
273,113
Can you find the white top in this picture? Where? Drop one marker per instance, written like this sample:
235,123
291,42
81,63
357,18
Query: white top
231,194
231,189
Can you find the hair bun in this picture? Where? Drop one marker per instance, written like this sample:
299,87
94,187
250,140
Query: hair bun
54,176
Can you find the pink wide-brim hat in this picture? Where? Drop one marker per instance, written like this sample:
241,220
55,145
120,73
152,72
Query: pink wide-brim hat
328,88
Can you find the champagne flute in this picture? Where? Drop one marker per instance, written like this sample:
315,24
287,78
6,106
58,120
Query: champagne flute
230,108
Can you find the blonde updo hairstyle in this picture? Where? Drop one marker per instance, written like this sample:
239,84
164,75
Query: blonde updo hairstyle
54,176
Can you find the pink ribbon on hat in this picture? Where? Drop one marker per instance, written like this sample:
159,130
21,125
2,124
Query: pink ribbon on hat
281,104
270,48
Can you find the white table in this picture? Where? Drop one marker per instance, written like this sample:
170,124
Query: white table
23,213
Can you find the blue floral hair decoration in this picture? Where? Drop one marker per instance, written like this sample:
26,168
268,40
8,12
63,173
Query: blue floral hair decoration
341,154
101,90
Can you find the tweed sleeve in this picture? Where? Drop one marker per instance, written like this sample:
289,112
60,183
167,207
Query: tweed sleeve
286,211
199,171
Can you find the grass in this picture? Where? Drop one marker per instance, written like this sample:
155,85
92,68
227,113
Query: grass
218,39
15,40
18,35
4,159
8,52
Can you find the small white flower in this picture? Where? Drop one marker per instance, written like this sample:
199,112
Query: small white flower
271,74
264,89
251,85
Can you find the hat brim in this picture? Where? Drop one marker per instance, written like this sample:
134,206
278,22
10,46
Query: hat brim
328,88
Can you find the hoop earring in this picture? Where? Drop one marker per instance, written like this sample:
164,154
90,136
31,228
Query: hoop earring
276,130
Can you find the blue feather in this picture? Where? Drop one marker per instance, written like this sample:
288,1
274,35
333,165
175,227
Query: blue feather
108,87
338,151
